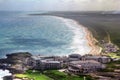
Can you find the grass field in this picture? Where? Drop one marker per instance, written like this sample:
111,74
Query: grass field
50,75
114,55
33,75
56,75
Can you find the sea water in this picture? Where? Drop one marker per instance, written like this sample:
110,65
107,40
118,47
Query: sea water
4,73
44,35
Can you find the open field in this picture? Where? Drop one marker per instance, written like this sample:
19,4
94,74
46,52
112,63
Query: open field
56,75
50,75
113,55
33,75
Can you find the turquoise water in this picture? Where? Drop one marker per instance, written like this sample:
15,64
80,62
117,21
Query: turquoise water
45,35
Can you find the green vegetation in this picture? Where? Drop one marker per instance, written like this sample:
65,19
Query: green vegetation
33,75
103,26
114,55
113,64
101,29
56,75
110,67
50,75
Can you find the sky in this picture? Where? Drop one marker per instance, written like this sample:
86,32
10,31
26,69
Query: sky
60,5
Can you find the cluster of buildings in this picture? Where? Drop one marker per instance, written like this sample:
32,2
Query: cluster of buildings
109,47
74,63
43,63
86,64
80,67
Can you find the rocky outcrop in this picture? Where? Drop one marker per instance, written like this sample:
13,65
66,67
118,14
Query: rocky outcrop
15,62
19,57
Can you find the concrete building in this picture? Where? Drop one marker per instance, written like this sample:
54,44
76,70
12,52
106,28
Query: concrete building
109,47
101,59
50,65
36,62
74,57
81,67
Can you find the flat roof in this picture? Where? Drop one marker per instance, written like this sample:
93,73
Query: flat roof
45,61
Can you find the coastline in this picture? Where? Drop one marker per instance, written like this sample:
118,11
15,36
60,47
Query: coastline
80,47
96,50
91,41
87,40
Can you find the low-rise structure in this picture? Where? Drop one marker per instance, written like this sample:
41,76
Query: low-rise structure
101,59
74,57
50,65
43,64
110,47
81,67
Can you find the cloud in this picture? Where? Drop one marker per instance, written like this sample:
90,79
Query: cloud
60,5
1,1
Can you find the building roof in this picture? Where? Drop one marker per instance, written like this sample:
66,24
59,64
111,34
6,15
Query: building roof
74,55
45,61
88,62
96,57
36,57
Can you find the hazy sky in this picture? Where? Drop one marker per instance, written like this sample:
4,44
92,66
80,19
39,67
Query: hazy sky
67,5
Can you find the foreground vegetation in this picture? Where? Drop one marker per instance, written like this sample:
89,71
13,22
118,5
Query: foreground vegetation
114,55
33,75
50,75
56,75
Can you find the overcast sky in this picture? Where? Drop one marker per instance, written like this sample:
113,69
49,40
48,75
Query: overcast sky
60,5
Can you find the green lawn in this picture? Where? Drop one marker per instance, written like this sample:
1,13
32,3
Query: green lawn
56,75
114,55
33,75
50,75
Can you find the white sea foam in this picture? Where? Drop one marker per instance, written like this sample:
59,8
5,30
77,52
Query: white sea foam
80,42
4,73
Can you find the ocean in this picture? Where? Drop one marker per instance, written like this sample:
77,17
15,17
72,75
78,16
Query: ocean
4,73
44,35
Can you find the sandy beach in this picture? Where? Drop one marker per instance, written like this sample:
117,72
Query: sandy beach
96,50
91,41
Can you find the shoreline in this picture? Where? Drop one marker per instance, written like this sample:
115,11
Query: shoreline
76,26
91,41
96,50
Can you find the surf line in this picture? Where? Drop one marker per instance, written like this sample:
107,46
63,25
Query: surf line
83,41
